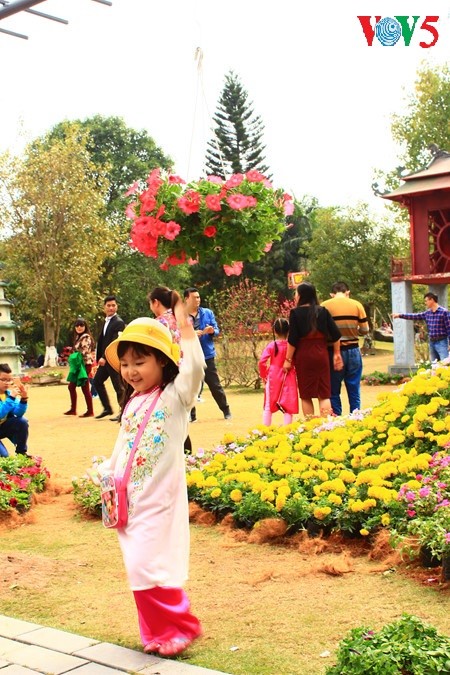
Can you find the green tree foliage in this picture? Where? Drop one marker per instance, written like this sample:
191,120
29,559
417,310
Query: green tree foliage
427,119
351,246
55,235
236,146
125,155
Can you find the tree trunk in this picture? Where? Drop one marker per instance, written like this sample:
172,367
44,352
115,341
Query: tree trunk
51,355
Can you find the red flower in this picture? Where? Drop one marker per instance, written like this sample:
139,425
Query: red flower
156,228
213,202
148,201
175,260
140,461
210,231
176,179
13,502
172,230
254,176
191,261
237,201
190,203
143,241
154,181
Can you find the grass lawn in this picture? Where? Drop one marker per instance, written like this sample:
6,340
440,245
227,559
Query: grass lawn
266,610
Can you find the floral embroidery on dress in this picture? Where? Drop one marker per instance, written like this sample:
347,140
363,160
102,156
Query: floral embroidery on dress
149,450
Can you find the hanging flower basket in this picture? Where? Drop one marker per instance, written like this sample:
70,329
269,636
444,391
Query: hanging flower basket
237,220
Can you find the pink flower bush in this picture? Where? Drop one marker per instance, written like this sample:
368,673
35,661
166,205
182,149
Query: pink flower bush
235,220
427,505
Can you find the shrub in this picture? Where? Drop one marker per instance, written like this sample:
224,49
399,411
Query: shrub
405,647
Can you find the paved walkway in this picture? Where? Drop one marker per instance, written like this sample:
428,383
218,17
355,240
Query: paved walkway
27,648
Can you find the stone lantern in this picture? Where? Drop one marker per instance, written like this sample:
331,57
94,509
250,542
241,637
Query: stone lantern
10,352
426,195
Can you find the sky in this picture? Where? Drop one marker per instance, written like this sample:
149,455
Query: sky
326,99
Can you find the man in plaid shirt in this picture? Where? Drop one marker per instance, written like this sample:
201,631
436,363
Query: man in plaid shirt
437,319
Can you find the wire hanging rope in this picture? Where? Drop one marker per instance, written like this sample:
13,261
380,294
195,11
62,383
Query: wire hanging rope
198,57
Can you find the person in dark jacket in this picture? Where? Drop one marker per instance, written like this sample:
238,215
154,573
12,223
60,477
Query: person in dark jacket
206,328
310,326
112,326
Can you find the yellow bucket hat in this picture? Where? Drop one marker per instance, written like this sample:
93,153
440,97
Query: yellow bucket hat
144,331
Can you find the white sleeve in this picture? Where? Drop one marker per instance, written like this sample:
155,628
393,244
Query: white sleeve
192,369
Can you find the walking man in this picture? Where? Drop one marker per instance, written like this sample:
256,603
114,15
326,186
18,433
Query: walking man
437,319
111,328
205,325
351,320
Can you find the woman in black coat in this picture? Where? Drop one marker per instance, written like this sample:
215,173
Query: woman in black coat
311,330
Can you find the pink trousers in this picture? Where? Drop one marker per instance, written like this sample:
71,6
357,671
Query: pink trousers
164,614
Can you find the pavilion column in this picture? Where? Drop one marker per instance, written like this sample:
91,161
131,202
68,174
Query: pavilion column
404,357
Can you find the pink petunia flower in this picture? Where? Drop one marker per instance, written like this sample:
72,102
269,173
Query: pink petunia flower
254,176
411,513
213,202
447,537
234,181
288,208
215,179
267,247
237,201
156,228
130,212
132,189
235,268
424,492
210,231
172,230
192,261
176,179
252,201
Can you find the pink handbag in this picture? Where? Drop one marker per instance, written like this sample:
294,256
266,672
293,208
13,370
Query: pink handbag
113,489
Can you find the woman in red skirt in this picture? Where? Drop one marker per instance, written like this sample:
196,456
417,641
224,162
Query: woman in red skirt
311,328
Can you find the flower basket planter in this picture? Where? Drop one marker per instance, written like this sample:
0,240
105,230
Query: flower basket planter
233,221
47,379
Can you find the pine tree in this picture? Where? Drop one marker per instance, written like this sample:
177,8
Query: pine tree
238,134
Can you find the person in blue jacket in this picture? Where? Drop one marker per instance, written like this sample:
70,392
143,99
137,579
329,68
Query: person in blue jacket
205,325
13,405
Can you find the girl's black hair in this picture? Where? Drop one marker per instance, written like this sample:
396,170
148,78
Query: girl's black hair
165,295
169,372
279,327
307,295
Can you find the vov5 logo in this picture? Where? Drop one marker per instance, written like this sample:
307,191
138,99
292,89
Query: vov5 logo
389,30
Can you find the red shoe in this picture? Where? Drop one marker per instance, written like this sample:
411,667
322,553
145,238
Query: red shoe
174,647
70,412
87,414
152,646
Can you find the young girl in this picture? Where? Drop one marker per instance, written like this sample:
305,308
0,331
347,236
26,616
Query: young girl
155,541
280,388
84,345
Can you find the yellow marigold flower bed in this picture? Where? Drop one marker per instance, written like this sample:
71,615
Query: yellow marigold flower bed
342,472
